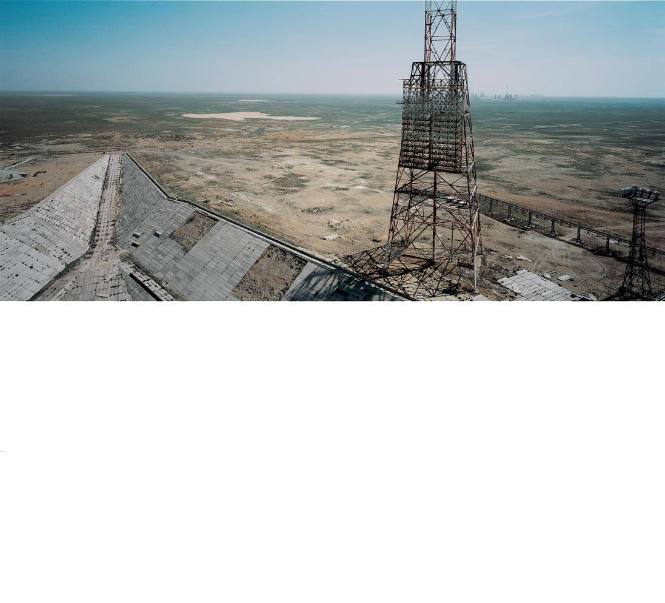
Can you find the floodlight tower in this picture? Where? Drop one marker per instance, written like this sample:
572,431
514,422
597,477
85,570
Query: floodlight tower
434,226
636,281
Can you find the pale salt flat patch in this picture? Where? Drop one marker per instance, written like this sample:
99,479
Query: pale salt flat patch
243,115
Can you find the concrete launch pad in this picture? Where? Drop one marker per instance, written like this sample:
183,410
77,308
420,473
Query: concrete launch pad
112,233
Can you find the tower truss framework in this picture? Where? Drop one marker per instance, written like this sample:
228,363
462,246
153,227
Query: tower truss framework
637,280
434,237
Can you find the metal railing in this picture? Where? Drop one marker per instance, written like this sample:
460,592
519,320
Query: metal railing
593,239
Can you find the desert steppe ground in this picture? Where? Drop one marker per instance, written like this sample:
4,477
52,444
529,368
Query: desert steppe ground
326,184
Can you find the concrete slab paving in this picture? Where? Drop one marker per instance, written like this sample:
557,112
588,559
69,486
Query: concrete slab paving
97,276
38,244
215,265
533,287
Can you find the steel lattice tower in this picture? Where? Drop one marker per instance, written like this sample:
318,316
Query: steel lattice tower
434,226
636,281
434,238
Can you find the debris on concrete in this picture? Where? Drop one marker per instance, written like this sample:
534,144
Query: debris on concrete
565,277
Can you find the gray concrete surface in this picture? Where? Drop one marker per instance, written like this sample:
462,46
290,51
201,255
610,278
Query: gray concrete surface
107,235
218,262
532,287
38,244
102,274
98,275
320,283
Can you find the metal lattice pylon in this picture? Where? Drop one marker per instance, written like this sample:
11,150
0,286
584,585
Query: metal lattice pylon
434,236
636,280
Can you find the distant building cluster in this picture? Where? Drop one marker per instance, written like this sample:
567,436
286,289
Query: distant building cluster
494,97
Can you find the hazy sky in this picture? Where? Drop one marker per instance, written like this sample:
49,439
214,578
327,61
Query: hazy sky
552,48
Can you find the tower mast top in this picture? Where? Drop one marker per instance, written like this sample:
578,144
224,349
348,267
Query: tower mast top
440,31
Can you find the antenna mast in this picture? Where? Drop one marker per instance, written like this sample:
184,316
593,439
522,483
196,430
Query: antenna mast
434,243
440,30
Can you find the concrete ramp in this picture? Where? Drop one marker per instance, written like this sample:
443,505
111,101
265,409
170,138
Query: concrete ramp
39,244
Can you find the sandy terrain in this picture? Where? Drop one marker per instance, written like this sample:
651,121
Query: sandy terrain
327,186
45,174
192,231
331,193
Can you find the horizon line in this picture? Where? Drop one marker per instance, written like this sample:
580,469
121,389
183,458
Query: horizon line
246,93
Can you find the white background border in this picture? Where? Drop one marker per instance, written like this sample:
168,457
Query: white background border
332,452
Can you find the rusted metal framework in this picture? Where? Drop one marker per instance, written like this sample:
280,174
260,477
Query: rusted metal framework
434,238
589,237
636,280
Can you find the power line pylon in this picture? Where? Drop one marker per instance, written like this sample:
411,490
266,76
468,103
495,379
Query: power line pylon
636,280
434,236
